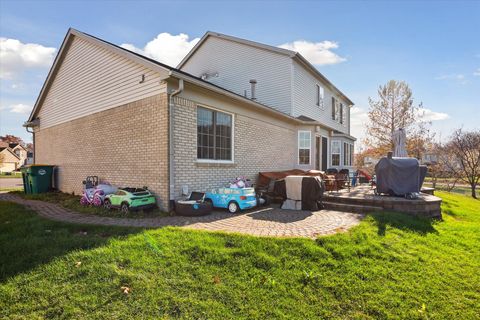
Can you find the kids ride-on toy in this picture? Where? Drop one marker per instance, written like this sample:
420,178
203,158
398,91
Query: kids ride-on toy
233,199
130,199
94,193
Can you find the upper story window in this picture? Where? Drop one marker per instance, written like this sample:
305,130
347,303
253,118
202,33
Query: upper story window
319,95
339,112
304,146
214,135
336,151
335,109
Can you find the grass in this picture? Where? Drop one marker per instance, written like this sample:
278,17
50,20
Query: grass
72,202
467,191
14,175
390,266
14,189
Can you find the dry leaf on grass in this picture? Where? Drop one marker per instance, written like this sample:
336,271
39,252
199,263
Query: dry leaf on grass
126,290
78,264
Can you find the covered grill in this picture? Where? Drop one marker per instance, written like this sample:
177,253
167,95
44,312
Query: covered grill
399,176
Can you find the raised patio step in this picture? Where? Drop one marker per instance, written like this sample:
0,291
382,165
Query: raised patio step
350,207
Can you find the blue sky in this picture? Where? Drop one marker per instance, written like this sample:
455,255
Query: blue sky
433,46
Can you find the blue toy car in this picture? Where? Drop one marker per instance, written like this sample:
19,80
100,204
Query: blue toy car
233,199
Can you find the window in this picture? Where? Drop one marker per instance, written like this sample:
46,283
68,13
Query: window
341,113
304,147
348,154
336,150
214,135
319,96
334,112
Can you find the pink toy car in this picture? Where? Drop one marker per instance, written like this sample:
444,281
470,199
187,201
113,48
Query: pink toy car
94,193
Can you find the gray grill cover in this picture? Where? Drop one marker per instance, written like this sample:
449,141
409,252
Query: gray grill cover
399,176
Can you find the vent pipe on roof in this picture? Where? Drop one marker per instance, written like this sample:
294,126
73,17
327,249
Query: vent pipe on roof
253,82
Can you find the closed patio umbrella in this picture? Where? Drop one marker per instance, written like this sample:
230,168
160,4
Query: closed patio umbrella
399,138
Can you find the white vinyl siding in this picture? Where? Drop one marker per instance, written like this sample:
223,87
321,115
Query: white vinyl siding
237,64
304,98
93,79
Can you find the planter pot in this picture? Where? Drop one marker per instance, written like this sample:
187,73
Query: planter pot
192,208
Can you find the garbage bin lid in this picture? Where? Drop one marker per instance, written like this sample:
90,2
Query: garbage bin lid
40,165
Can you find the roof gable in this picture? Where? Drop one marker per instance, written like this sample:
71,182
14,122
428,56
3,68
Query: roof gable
292,54
149,63
9,150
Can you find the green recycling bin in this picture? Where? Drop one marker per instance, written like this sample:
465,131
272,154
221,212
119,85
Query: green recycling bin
37,178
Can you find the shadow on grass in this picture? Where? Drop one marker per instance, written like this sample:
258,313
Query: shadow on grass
403,222
27,240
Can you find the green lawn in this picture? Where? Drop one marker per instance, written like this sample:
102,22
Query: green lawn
390,266
72,202
13,175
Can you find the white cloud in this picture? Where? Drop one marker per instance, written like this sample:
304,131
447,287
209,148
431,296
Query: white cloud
166,48
16,56
450,77
20,108
476,73
430,115
458,77
315,52
358,121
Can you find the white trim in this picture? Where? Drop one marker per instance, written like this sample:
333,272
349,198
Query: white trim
340,154
214,161
321,150
309,148
233,136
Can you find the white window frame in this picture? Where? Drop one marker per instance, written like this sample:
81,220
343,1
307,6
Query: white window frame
233,137
332,142
309,148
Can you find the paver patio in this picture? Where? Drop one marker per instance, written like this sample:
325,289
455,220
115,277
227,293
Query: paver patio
264,221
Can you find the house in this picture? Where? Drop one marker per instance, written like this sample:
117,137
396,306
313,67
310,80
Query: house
9,161
132,121
21,152
283,80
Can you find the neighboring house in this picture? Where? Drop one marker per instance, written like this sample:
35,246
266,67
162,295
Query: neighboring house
21,152
133,121
285,81
9,161
370,161
429,158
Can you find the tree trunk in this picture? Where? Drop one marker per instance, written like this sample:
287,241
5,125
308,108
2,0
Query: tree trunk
474,193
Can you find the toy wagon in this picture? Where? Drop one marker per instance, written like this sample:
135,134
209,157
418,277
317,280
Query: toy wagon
233,199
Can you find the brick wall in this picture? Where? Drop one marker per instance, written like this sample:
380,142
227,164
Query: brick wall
126,146
258,146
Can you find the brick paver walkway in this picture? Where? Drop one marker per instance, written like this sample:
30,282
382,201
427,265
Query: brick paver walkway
264,221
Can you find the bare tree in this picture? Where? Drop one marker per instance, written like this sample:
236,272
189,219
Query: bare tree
466,148
394,110
447,166
462,155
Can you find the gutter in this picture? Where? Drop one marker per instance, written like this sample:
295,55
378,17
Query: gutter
31,124
171,164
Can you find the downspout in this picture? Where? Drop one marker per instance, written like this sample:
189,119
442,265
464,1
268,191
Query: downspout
171,164
33,140
31,124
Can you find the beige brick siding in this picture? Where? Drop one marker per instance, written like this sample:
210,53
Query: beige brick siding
258,146
126,146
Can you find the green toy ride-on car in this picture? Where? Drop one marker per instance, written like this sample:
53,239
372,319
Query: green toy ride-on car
130,199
